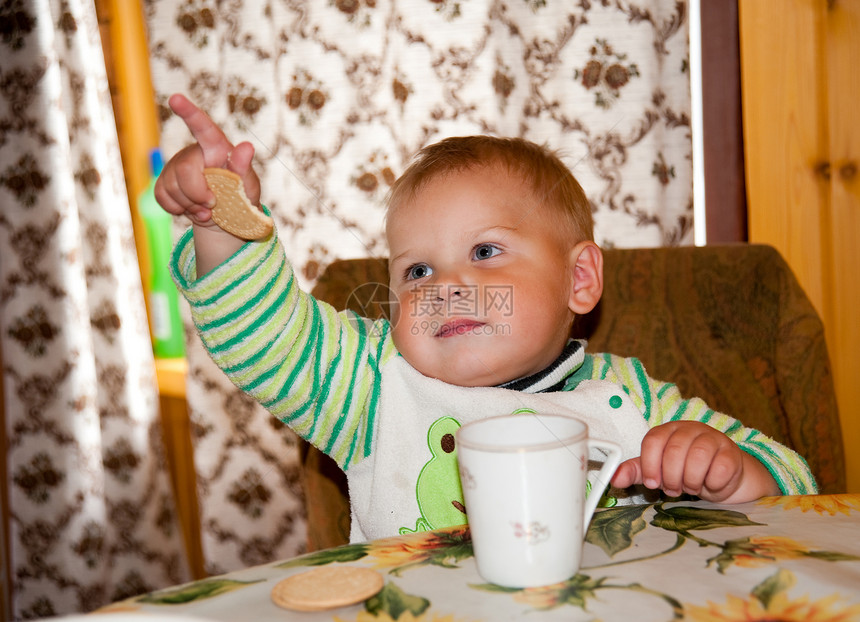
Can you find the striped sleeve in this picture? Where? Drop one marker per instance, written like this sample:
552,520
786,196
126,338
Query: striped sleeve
661,402
314,368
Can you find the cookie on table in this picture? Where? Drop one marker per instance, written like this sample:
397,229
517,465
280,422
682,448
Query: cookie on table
327,587
233,212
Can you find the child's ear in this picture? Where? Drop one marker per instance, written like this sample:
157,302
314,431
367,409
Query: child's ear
586,274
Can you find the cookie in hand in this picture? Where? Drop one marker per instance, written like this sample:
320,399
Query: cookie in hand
233,212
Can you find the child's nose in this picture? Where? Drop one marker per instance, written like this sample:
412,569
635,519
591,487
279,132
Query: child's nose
449,292
449,285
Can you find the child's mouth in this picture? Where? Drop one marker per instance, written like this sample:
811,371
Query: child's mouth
455,328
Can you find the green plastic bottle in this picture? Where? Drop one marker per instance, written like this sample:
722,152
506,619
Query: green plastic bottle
168,339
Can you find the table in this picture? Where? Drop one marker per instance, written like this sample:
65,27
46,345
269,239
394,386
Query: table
778,558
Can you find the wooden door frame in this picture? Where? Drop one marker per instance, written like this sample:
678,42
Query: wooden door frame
725,187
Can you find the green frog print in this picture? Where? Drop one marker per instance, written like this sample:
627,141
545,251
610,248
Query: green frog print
440,497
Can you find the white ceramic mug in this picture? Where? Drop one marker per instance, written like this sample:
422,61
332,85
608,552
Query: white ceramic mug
524,484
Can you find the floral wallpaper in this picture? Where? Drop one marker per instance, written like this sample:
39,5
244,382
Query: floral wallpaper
90,509
336,96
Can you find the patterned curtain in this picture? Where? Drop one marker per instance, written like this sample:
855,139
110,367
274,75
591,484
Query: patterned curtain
90,510
336,95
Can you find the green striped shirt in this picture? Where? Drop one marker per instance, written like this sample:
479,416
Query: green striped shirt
320,370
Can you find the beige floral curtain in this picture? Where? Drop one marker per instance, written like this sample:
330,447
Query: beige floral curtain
90,509
337,94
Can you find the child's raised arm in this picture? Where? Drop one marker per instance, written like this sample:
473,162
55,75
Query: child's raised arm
181,188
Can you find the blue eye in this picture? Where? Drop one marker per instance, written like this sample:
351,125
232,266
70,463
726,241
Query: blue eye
485,251
418,271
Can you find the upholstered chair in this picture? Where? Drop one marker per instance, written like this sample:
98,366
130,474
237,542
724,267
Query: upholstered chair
729,324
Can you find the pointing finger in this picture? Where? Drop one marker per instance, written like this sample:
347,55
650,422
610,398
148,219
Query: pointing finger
209,136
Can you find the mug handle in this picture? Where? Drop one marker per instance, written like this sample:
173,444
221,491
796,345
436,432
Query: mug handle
601,482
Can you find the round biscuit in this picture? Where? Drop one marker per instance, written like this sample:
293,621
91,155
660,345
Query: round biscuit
232,211
327,587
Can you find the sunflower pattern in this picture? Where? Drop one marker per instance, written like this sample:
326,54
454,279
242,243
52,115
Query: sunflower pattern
786,558
830,504
770,600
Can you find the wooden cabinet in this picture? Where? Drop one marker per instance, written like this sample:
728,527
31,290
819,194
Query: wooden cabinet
801,89
123,36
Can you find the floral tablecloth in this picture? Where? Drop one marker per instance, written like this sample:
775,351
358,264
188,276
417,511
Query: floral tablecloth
778,558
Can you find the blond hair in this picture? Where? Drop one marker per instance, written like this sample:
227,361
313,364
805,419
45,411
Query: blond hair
553,183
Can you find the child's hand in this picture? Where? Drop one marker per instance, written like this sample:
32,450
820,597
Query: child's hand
694,458
181,188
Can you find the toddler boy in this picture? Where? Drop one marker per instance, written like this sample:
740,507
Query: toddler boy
491,258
